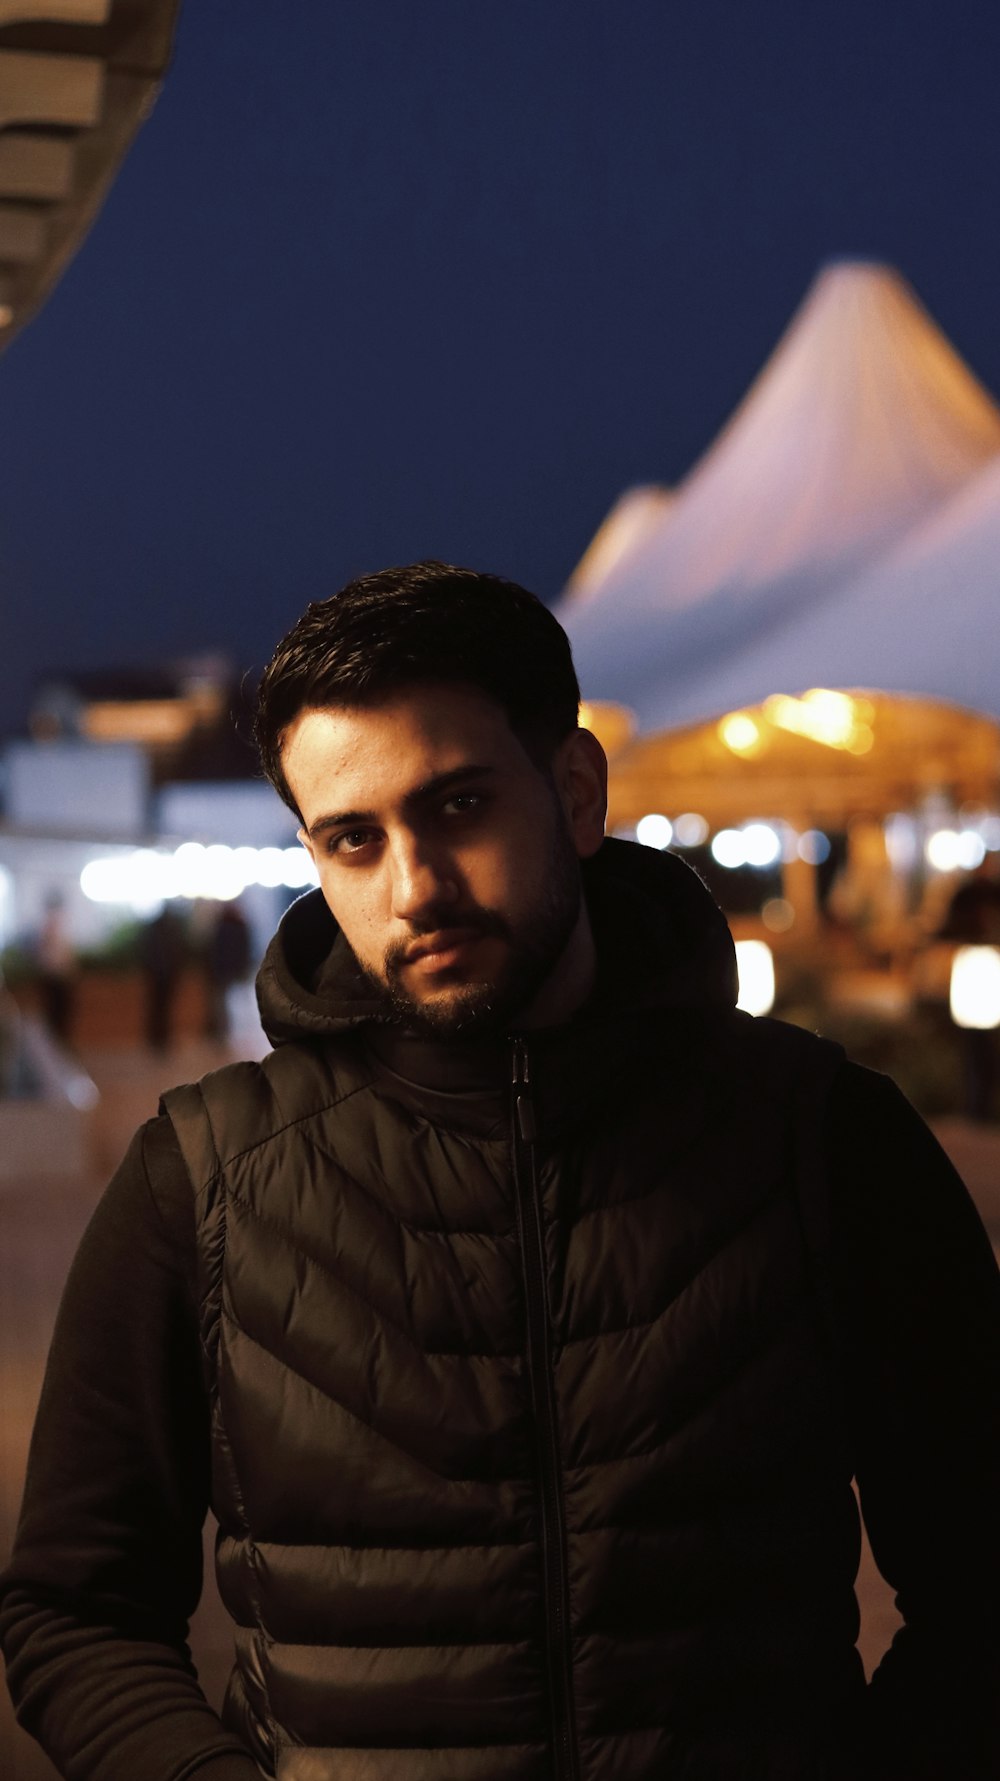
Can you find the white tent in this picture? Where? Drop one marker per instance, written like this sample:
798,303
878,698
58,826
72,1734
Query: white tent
924,620
633,517
862,422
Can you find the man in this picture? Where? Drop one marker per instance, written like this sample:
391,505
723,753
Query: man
524,1316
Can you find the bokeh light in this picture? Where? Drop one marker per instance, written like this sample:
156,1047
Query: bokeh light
755,964
975,987
690,829
654,830
146,878
813,847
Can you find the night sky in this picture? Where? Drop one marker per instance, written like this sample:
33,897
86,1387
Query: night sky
381,280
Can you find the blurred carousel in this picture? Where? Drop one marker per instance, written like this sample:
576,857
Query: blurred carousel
790,661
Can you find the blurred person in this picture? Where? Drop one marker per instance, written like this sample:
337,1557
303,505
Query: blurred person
226,958
10,1048
972,917
163,954
524,1316
55,955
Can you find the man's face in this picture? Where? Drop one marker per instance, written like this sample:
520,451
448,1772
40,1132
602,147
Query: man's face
446,856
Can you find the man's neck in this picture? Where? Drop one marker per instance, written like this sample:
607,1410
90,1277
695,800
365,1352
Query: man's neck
569,983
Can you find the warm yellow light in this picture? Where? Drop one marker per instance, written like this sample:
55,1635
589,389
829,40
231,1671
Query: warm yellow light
613,725
861,739
833,719
137,720
755,964
740,733
975,987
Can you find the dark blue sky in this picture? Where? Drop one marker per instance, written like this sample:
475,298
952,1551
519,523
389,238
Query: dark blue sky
381,280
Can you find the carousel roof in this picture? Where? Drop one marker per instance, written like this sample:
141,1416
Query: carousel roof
826,757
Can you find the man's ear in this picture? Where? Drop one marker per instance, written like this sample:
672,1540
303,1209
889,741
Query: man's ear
580,770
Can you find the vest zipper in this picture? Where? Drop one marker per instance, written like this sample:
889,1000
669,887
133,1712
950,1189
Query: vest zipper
554,1563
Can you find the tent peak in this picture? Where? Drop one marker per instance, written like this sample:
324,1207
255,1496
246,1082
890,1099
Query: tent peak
865,268
861,423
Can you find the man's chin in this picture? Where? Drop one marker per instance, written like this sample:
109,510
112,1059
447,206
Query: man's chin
450,1012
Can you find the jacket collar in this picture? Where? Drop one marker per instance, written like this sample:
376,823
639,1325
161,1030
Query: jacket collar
666,966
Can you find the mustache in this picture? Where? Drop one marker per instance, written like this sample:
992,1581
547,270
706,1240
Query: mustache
487,922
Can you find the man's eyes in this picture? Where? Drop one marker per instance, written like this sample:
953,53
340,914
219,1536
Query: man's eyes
351,841
355,841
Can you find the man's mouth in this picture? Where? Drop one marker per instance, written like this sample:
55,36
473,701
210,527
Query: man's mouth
441,950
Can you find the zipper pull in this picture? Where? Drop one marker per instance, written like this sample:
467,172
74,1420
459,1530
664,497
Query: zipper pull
522,1094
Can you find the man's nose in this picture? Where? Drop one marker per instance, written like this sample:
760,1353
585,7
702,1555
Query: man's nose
422,879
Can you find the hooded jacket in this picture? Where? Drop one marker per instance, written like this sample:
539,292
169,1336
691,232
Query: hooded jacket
528,1459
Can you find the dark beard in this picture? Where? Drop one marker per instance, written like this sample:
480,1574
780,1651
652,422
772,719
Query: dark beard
533,953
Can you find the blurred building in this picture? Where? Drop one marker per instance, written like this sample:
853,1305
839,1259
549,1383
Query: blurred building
134,787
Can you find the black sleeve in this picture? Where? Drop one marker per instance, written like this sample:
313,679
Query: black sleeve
106,1567
922,1296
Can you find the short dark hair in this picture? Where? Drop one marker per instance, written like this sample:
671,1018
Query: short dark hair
426,622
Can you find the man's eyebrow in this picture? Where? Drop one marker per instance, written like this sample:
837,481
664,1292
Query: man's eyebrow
421,794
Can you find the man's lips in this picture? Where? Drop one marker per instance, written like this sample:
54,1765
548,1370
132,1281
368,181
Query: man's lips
443,948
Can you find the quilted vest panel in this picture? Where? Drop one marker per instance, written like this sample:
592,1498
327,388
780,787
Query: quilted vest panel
386,1551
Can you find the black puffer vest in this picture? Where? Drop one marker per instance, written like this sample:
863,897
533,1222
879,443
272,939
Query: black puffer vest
529,1461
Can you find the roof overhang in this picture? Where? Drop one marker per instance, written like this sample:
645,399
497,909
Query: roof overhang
77,78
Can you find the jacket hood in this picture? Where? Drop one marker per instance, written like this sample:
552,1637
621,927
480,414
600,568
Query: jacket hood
662,942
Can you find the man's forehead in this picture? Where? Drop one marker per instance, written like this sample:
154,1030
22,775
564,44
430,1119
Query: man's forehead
424,717
366,755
